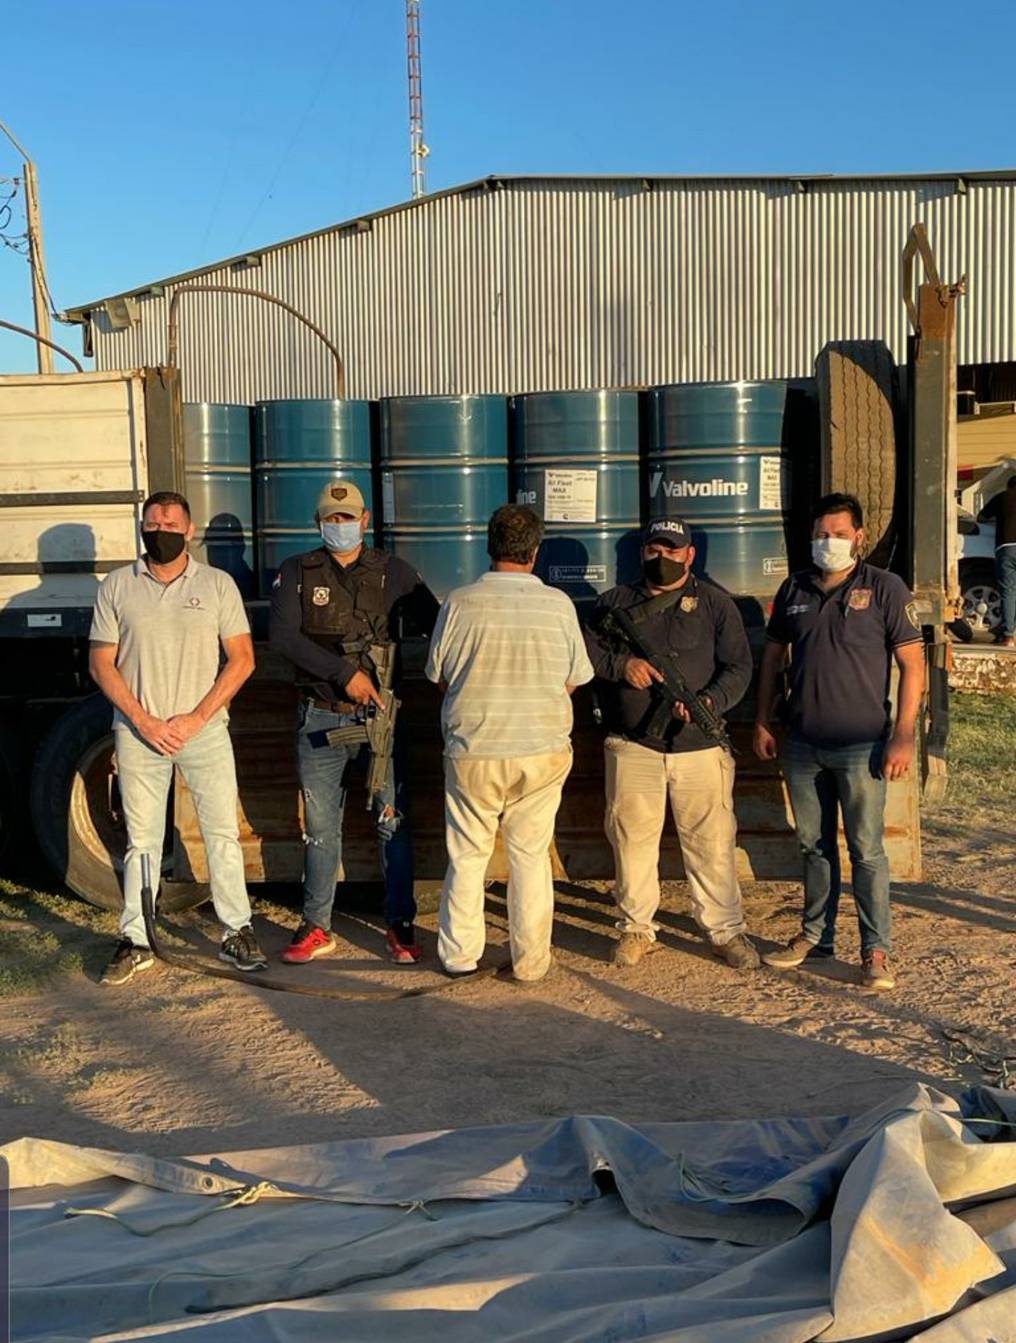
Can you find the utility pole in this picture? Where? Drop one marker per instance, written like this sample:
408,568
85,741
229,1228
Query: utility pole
36,259
418,151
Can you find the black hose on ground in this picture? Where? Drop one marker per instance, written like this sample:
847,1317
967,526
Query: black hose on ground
257,980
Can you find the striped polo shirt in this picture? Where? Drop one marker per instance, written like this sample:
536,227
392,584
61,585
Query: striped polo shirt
506,647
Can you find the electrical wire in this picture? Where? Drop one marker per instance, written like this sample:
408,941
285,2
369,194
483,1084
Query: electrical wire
16,242
20,243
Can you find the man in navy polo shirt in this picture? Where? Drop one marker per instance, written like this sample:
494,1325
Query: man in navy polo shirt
844,621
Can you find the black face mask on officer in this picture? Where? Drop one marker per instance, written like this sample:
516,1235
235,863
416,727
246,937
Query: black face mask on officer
163,547
661,571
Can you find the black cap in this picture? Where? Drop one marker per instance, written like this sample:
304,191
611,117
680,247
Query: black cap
670,532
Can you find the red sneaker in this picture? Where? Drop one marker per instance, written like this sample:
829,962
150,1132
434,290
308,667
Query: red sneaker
309,942
400,944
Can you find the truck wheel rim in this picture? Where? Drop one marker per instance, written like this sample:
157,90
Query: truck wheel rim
94,818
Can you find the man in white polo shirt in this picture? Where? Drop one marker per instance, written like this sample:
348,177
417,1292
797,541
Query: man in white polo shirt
508,652
156,632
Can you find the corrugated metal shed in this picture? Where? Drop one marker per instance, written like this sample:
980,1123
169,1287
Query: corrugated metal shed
523,284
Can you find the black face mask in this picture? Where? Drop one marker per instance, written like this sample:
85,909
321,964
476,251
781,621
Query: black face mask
163,547
662,571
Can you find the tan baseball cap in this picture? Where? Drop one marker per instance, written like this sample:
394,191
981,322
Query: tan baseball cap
341,496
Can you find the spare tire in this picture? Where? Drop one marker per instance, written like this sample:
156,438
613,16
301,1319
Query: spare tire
76,814
858,395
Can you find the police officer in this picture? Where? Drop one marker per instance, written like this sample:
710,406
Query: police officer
683,617
844,622
327,607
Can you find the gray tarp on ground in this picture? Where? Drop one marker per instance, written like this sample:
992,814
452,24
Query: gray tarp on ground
574,1230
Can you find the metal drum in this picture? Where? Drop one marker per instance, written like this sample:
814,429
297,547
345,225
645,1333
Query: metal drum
216,447
716,458
575,461
299,446
444,470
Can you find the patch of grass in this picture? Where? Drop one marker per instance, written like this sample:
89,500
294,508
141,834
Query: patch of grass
44,936
29,959
982,750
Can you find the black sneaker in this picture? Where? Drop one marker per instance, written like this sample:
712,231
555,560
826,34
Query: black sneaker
128,960
241,949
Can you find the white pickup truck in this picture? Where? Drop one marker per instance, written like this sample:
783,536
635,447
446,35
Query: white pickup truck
982,602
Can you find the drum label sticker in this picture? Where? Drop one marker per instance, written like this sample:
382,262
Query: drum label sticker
569,496
770,484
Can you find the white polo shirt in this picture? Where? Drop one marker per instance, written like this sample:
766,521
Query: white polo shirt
168,635
507,646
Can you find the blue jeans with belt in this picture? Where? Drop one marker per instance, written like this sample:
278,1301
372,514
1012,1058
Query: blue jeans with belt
823,780
322,771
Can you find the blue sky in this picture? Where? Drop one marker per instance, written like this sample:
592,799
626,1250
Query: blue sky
168,135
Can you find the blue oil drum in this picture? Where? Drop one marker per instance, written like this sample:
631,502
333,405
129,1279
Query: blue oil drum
575,460
299,447
217,468
716,458
444,470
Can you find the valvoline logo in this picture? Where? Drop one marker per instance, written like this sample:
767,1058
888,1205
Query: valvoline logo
717,488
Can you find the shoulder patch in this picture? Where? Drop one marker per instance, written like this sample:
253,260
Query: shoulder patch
913,615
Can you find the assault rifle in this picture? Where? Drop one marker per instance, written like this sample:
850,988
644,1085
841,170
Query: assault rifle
373,727
619,629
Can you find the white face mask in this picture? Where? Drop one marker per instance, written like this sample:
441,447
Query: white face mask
341,536
833,554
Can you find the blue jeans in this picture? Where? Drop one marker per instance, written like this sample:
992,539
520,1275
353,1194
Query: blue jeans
206,763
322,772
822,781
1005,567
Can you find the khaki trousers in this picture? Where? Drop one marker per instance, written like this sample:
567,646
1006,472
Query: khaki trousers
523,795
700,787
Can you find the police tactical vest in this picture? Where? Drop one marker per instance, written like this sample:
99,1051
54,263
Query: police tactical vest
341,608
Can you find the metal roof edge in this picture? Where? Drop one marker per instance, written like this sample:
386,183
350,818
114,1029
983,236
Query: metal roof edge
80,312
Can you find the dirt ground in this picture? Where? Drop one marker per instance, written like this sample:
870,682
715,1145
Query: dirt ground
174,1063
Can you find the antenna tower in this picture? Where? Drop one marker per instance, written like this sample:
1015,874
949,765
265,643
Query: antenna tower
418,151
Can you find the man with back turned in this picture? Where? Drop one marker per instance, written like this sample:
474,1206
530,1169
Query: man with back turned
329,607
695,623
507,651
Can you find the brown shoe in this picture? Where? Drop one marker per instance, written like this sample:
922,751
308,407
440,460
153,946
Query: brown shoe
632,947
796,952
876,972
739,953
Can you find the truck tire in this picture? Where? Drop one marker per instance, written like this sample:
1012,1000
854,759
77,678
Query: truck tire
12,790
75,809
858,394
